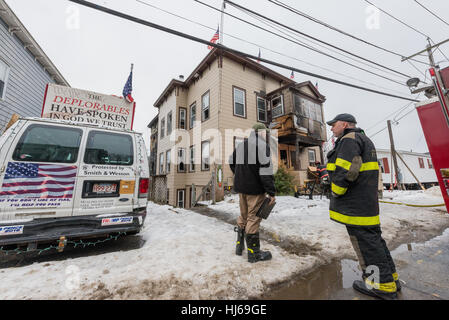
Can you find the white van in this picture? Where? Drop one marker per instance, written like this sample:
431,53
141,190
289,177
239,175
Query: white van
61,180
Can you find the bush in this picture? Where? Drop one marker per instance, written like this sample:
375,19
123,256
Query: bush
283,181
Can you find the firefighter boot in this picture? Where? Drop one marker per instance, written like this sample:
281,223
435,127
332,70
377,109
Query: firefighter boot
254,252
240,245
362,287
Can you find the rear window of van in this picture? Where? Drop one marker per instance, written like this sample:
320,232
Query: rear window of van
109,148
43,143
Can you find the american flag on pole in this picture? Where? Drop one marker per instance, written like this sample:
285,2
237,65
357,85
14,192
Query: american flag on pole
258,57
215,37
292,75
129,87
36,180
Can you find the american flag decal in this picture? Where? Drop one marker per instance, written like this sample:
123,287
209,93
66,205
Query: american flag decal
36,180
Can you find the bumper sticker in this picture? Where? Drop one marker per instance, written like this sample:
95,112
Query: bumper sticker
115,221
9,230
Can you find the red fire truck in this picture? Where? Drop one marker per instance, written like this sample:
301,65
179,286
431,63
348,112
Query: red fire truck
434,117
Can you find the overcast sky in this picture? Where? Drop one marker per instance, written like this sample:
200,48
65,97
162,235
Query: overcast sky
94,50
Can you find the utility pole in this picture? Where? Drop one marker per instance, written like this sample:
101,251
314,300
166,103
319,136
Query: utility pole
393,155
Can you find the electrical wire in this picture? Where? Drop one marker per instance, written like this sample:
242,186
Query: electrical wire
262,47
311,37
226,49
298,42
432,13
300,13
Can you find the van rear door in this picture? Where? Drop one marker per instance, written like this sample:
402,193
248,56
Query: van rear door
106,178
39,172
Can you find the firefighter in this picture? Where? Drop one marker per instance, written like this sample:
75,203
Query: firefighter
253,178
353,170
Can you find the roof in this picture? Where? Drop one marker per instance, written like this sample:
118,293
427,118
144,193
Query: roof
153,122
208,60
298,86
19,30
426,154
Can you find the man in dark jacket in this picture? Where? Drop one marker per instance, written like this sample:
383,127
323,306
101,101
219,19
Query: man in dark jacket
353,171
253,178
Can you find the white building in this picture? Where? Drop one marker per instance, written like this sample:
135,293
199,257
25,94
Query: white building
419,163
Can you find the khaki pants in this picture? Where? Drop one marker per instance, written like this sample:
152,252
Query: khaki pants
249,204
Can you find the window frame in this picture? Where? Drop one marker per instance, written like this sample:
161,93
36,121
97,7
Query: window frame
314,155
281,96
202,107
421,163
161,162
191,148
244,102
192,122
257,109
168,161
179,163
162,134
202,143
182,109
169,117
5,80
183,198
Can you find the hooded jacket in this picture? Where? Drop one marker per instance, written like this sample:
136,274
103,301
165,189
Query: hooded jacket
354,171
252,167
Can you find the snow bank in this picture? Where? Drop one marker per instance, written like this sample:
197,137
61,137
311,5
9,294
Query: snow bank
186,256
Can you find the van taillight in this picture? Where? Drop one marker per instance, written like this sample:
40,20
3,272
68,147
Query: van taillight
143,187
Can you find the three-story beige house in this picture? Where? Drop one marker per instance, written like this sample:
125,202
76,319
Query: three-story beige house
202,118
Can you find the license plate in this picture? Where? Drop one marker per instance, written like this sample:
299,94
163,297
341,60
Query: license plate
104,188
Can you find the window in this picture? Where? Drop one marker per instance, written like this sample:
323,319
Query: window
169,122
239,102
42,143
181,160
180,202
192,115
386,166
162,128
429,163
261,109
109,148
182,118
4,73
308,109
277,106
421,163
205,156
293,159
283,156
205,106
161,163
167,195
168,161
312,157
192,159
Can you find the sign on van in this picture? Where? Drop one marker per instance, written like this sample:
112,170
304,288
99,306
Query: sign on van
84,106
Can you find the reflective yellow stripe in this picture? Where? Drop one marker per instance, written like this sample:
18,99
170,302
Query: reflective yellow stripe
250,250
338,190
395,276
343,163
356,221
386,287
347,165
369,166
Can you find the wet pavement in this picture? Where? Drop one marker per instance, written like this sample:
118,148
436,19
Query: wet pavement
422,267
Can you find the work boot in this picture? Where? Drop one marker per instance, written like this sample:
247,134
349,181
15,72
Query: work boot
240,241
254,252
362,287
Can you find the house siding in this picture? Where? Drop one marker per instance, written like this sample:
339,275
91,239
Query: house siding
25,87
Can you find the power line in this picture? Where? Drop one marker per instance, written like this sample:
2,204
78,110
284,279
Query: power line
398,20
260,46
224,48
311,37
300,13
300,43
432,13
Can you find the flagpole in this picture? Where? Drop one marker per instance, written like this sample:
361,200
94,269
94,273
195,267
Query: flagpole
132,66
223,6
